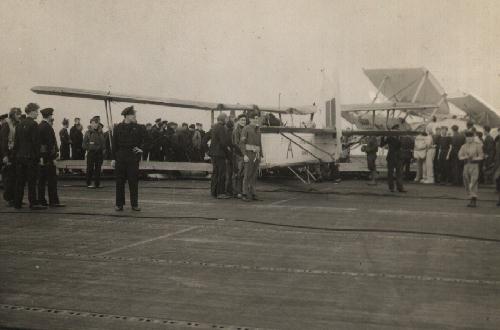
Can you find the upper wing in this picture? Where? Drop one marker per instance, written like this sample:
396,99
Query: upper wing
411,85
402,106
170,102
478,110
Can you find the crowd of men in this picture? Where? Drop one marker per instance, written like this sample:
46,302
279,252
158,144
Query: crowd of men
456,158
29,149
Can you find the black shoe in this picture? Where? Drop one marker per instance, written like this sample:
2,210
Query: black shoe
402,191
38,207
136,208
223,196
57,205
245,199
254,198
118,208
472,202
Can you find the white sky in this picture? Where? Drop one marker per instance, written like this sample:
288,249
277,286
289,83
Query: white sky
239,51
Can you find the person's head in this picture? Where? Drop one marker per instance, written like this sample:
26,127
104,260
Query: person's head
94,123
76,121
3,117
438,130
79,127
241,120
158,122
454,128
148,126
65,122
100,127
185,126
230,124
487,129
254,118
192,127
32,110
15,114
129,114
469,137
163,124
221,118
470,124
172,125
480,135
199,126
444,130
47,114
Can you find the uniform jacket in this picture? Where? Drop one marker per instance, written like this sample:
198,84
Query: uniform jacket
64,136
219,141
7,137
250,135
126,137
235,140
94,141
76,137
27,141
48,142
489,147
394,145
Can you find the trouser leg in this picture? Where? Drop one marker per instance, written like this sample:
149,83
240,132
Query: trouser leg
474,179
9,178
213,179
390,174
253,176
429,165
221,175
133,181
52,184
21,174
120,177
90,168
33,171
399,175
42,184
467,180
229,176
97,171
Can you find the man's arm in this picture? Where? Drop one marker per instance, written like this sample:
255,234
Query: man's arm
4,138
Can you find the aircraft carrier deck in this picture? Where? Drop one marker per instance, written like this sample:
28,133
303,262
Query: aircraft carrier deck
321,256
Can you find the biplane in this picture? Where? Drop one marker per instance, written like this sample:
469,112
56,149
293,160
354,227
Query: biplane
288,147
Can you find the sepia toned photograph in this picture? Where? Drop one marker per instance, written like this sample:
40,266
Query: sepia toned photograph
249,164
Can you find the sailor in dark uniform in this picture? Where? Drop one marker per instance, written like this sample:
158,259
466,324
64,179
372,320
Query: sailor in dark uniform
394,161
27,157
65,140
48,154
128,139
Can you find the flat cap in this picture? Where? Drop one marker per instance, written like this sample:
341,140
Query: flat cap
128,111
46,112
95,119
158,120
65,121
2,117
221,117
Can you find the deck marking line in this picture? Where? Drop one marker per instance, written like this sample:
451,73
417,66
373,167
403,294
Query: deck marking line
148,240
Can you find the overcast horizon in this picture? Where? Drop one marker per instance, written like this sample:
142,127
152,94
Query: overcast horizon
240,51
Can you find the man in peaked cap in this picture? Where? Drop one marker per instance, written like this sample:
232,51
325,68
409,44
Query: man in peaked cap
156,141
95,144
26,152
48,154
128,140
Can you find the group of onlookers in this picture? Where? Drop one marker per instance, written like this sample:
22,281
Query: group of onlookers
469,157
28,149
